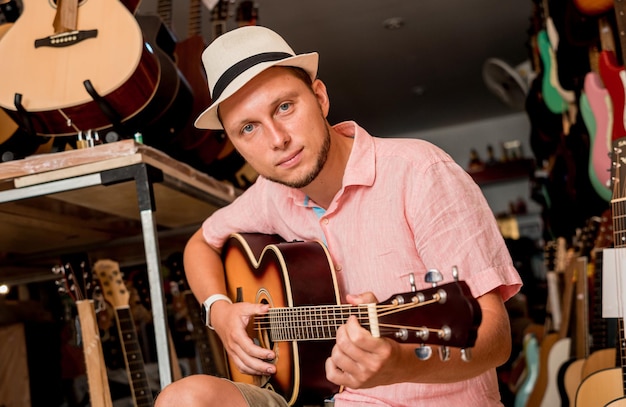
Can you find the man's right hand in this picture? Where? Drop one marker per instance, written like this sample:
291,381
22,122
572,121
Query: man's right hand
231,322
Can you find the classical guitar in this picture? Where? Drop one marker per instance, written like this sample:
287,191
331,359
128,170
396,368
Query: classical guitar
116,293
65,67
291,277
80,288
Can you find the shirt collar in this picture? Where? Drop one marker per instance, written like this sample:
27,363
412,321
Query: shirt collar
361,167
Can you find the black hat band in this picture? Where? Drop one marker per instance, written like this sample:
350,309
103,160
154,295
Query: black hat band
234,71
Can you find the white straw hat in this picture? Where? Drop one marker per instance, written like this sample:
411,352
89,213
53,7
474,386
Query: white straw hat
235,57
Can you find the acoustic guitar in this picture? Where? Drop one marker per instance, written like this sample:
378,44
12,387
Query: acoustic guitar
298,281
64,67
116,293
80,287
608,387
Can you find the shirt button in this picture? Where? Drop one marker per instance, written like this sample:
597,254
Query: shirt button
325,221
338,267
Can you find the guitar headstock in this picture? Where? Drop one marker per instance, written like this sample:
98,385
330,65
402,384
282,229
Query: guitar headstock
112,282
77,278
446,315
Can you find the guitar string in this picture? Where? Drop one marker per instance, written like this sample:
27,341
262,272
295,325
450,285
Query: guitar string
283,320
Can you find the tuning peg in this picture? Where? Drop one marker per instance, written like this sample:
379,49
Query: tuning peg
433,276
444,353
423,352
57,269
455,273
466,354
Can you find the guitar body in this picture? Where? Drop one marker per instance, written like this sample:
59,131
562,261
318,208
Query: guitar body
597,98
598,360
256,271
614,78
551,95
7,125
531,355
536,396
559,354
593,7
50,78
572,377
170,108
600,388
204,144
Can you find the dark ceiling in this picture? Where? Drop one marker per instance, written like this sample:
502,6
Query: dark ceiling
423,75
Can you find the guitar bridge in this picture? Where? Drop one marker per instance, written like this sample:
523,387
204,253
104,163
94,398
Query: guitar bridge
66,39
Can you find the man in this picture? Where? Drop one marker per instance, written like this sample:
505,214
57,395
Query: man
386,209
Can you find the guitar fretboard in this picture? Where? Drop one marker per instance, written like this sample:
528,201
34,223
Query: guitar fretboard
312,323
134,359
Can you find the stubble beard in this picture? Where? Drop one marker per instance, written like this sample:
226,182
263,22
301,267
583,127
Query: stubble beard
319,164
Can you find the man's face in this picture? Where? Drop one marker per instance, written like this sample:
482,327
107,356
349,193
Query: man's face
277,123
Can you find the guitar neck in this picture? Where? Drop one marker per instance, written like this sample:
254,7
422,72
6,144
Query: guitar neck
195,18
315,322
620,18
99,392
135,367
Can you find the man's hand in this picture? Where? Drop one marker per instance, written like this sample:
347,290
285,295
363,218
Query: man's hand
230,322
358,359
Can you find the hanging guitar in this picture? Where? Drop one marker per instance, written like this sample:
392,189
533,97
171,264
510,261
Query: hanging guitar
14,142
72,67
79,286
199,147
259,269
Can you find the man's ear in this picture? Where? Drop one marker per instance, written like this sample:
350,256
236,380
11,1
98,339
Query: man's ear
319,89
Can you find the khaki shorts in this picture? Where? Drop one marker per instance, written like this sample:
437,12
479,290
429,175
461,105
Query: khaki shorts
258,396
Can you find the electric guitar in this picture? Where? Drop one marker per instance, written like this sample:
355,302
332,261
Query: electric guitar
79,286
65,66
115,292
290,277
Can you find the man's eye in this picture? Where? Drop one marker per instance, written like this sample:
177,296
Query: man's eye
284,106
247,128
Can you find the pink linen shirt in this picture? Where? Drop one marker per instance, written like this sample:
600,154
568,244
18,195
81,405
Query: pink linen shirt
405,207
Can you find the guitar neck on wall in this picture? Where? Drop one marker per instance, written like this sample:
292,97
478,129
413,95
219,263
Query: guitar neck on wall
115,292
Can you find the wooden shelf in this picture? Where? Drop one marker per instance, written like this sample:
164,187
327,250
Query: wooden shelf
504,172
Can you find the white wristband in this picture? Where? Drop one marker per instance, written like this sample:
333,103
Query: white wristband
209,302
